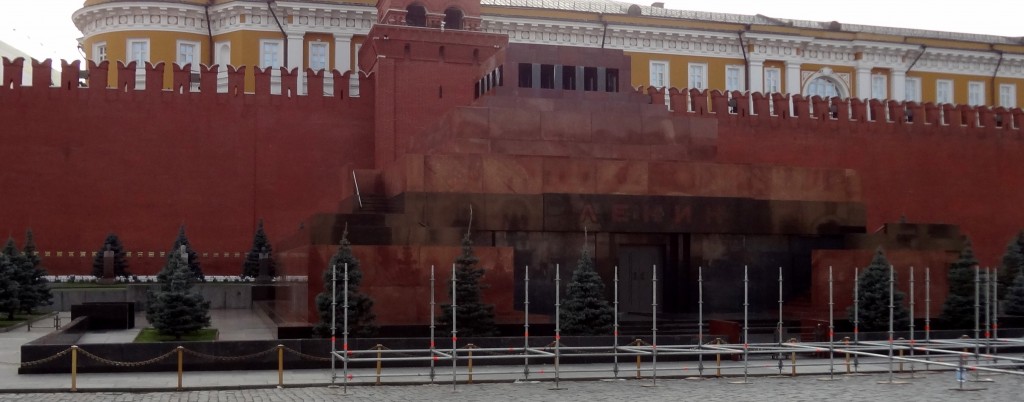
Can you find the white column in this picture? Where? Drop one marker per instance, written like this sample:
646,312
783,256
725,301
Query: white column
863,90
792,77
898,85
343,52
296,60
756,73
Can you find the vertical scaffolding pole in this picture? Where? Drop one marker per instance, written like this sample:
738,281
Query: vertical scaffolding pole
911,320
779,329
746,304
615,327
831,329
558,325
455,338
344,331
892,307
995,309
856,315
988,309
977,317
700,320
654,323
927,313
433,344
334,321
526,323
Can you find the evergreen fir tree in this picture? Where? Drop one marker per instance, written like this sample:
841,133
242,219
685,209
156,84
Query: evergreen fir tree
1015,296
958,311
120,258
175,309
873,297
33,289
360,307
1012,264
585,310
193,258
260,244
474,317
9,301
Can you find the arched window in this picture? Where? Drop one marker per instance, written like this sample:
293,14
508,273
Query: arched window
823,87
416,16
453,18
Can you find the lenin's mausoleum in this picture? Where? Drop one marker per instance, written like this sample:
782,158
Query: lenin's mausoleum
673,138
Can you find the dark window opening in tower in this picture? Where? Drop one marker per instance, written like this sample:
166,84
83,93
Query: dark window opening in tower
590,78
416,16
611,80
525,75
453,18
569,78
547,76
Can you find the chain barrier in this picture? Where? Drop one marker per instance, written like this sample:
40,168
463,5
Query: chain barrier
303,355
230,358
127,364
46,359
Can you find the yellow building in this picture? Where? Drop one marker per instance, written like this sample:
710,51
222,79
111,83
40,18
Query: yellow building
675,48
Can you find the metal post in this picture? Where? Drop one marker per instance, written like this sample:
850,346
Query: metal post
977,317
280,367
912,321
856,315
780,307
988,309
455,332
526,323
700,321
180,365
746,304
831,328
74,368
615,326
654,324
334,323
433,356
927,312
558,324
892,307
995,310
344,331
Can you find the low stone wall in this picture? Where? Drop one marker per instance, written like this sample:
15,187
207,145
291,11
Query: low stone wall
220,295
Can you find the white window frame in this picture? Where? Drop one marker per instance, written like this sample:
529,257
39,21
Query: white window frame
1008,95
327,55
912,89
220,58
879,86
944,91
975,93
278,56
662,65
772,76
197,52
734,72
697,81
99,52
130,53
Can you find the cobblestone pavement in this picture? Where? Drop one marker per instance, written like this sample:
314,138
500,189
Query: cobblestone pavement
926,387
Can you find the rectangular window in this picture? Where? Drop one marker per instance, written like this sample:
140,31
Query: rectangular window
659,74
187,52
878,84
547,76
698,77
1008,95
270,53
590,78
138,51
772,80
318,55
611,80
734,78
99,52
943,91
975,93
912,87
569,78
